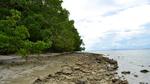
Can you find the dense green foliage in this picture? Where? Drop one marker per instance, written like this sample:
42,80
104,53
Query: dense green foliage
33,26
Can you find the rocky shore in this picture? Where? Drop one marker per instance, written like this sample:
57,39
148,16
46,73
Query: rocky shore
67,68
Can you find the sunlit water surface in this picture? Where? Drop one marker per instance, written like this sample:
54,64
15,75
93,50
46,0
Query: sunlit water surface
133,61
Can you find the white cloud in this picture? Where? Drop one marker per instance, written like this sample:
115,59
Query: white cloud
131,18
125,1
122,16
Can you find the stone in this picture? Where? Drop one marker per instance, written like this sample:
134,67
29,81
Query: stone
142,83
76,68
144,71
67,70
126,72
136,76
38,80
118,81
81,82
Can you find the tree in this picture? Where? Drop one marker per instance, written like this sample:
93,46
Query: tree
39,46
12,35
25,50
44,23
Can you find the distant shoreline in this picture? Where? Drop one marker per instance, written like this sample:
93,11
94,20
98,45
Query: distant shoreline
116,50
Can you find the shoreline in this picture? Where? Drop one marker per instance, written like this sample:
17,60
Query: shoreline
62,68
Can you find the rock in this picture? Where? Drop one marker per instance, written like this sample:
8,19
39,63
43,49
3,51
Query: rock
37,81
115,73
111,61
98,59
124,82
67,70
111,67
114,80
76,68
81,82
126,72
115,67
144,71
118,81
142,83
136,76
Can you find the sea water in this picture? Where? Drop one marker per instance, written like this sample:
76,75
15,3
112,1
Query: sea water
133,61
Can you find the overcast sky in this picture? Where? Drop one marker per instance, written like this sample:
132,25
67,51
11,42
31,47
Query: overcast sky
111,24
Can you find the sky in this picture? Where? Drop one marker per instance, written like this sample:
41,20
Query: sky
111,24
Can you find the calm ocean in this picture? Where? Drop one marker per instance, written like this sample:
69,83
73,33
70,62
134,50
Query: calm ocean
133,61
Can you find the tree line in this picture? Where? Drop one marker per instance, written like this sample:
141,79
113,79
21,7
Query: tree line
36,26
